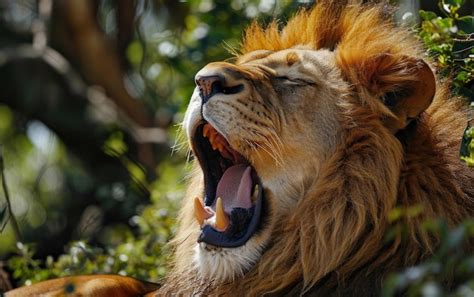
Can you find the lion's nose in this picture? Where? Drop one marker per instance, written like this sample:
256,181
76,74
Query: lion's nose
209,86
212,80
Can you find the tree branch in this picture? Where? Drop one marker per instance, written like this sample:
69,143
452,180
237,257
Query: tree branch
14,223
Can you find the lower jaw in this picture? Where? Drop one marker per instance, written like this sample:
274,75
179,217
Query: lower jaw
222,265
209,235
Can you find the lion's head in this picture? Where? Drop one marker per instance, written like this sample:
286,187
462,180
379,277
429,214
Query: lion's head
261,131
304,144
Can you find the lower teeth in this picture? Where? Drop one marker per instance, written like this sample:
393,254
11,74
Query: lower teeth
255,194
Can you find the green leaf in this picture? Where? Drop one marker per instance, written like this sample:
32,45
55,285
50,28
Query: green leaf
467,146
466,24
427,15
451,6
446,23
115,144
395,214
135,53
414,211
462,76
454,2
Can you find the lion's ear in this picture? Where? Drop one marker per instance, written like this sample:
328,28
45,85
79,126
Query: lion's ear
410,98
406,85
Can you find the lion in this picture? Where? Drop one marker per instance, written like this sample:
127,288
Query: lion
303,146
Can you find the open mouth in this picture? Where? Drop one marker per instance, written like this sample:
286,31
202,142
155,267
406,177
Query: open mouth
232,206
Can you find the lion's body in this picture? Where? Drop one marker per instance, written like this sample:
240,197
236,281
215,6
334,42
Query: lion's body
86,285
332,241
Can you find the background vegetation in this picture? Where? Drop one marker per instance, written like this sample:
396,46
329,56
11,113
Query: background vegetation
91,95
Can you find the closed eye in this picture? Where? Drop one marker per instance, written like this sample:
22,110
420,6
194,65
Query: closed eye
294,81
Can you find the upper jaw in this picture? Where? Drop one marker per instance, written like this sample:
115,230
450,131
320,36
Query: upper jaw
193,116
196,115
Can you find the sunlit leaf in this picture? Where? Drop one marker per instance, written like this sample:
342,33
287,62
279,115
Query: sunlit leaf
135,53
467,146
427,15
414,210
395,214
115,144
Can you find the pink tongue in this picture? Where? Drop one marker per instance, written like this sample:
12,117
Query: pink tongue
235,187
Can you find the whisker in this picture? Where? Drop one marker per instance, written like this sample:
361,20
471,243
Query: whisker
180,142
274,150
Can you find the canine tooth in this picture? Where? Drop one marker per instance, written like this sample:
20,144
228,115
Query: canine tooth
222,220
199,212
216,145
205,131
211,137
255,193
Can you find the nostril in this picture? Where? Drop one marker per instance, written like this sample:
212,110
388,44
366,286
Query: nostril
209,86
214,84
216,88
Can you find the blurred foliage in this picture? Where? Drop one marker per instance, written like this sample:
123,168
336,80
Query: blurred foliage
467,146
450,40
451,267
136,249
139,254
166,60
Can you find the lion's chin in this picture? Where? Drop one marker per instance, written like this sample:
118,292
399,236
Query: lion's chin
220,265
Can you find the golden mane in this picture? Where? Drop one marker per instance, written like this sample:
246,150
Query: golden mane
336,233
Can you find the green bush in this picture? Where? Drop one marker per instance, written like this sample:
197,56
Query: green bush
141,254
450,40
450,272
137,249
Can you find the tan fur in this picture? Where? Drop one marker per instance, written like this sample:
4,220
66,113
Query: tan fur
86,285
335,233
